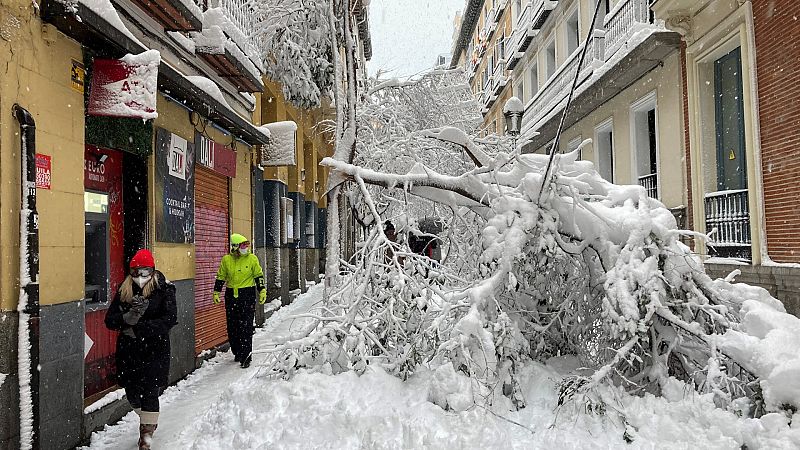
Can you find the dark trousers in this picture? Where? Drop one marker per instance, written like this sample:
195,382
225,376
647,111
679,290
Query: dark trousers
240,313
144,398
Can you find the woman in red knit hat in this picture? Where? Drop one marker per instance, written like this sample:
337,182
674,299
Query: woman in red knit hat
143,311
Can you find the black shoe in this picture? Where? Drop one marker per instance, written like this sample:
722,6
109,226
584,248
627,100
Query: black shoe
246,362
236,358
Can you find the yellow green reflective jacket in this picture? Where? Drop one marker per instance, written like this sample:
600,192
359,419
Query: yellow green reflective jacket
239,272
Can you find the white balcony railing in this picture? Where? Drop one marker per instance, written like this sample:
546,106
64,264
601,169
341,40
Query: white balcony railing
620,22
541,9
499,79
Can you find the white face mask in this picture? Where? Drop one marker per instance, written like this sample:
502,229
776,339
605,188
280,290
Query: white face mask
244,251
141,281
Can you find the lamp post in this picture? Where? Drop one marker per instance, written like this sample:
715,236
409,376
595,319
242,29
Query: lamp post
513,110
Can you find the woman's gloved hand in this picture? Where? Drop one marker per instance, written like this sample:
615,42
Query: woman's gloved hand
139,305
262,296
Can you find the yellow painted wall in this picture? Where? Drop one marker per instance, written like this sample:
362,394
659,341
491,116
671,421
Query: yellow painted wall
36,75
177,261
241,202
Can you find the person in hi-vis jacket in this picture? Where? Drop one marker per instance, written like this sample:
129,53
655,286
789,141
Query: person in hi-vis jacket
242,273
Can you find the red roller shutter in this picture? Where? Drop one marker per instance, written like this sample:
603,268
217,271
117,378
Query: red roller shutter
211,244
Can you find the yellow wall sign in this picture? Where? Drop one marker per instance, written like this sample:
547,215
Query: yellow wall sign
732,155
77,76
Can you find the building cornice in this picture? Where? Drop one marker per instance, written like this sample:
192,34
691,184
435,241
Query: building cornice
468,22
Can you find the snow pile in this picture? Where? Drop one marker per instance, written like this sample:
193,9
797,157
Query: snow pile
376,410
220,35
282,148
210,88
107,399
185,42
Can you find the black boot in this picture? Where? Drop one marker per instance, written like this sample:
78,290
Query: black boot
246,362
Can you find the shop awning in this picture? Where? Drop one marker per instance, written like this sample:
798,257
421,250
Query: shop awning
100,32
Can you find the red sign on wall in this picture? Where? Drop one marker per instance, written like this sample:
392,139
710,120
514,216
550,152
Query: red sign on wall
125,87
44,171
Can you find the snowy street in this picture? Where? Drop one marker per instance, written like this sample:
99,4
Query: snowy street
221,406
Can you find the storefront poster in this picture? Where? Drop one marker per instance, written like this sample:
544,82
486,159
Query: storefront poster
174,188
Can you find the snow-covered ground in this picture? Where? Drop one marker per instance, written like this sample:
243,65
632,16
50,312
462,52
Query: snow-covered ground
221,406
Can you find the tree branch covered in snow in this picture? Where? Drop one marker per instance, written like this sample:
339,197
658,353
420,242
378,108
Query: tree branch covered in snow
529,269
298,46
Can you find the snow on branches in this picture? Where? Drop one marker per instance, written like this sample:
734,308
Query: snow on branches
528,268
297,45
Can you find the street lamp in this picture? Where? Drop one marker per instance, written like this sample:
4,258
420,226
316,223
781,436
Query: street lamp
513,110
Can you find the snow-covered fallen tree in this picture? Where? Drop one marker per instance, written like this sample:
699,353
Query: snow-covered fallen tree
532,267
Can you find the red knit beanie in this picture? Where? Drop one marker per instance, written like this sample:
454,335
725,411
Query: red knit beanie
142,258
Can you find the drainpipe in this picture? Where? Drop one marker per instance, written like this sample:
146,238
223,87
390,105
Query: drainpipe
28,337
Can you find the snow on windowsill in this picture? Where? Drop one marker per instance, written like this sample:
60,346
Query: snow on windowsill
105,400
728,261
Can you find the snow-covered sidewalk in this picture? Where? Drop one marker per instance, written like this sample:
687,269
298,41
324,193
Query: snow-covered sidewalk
184,403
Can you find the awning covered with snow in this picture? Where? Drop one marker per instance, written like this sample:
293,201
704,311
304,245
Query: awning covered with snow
111,34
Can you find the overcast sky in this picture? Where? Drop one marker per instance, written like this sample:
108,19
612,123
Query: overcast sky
408,35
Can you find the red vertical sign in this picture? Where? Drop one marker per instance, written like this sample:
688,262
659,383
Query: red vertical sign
43,171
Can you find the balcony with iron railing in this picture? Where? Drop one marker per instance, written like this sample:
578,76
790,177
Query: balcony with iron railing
627,18
227,42
499,77
728,221
650,184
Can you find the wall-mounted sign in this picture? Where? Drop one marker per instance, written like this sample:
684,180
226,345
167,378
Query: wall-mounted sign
77,76
125,87
217,157
174,188
44,170
282,148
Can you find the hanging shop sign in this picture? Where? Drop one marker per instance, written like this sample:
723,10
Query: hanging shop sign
125,87
282,147
44,170
174,188
217,157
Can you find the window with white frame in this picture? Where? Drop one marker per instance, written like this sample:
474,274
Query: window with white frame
604,149
573,32
520,90
645,141
550,58
533,78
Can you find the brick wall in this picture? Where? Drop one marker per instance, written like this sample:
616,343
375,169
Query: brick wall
777,30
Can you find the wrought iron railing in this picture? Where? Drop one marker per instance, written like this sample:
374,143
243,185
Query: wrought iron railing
729,213
554,91
650,184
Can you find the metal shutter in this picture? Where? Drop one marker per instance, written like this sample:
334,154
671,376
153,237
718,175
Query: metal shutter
211,244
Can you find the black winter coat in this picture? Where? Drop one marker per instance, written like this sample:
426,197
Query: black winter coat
143,361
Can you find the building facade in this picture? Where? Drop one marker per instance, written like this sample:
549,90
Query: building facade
741,141
105,186
692,100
